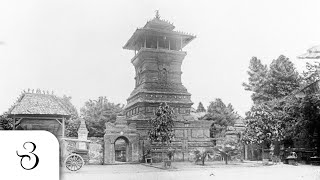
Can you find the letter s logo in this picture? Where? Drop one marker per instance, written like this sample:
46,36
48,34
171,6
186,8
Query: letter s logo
28,156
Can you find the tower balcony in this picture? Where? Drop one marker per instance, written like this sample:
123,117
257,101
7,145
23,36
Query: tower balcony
157,50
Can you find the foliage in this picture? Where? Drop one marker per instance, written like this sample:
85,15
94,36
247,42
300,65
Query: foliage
6,123
70,107
276,82
162,125
97,112
262,124
303,120
201,154
72,126
257,80
268,120
282,78
217,131
312,73
221,114
200,108
73,123
170,152
228,148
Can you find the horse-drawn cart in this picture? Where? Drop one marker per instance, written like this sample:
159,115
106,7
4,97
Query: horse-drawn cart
75,159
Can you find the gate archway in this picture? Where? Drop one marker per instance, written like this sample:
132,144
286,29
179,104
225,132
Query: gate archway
121,149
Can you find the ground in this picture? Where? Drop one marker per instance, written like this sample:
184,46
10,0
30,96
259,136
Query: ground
185,171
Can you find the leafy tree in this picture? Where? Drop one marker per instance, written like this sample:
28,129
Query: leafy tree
6,123
282,79
201,153
201,108
227,149
312,73
309,123
73,123
267,121
221,114
257,80
302,120
162,126
262,126
97,112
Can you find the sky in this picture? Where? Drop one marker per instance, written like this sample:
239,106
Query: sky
74,48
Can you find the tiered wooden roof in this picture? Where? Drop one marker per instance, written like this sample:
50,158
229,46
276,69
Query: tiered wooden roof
39,103
157,27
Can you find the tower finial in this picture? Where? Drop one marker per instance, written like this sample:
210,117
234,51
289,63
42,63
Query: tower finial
157,14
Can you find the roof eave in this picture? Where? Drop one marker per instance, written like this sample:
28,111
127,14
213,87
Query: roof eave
136,34
52,116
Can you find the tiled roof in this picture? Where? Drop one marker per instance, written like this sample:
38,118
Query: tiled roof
39,103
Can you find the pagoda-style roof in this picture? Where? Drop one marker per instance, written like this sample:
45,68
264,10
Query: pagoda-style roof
157,27
157,23
313,53
38,103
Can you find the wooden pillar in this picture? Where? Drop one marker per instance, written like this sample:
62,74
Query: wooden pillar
157,43
63,127
169,44
145,41
180,43
14,124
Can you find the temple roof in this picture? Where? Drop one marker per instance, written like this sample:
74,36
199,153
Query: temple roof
157,27
313,53
157,23
39,104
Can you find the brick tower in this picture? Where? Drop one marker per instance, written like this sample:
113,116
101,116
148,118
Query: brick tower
158,58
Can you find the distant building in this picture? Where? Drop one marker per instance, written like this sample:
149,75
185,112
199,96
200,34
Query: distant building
313,53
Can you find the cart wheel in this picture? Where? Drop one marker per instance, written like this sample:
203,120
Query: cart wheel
74,162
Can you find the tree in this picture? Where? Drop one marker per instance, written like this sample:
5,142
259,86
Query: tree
97,112
262,126
201,108
309,125
162,126
73,123
257,80
6,123
201,153
282,79
227,149
267,121
221,114
302,121
312,73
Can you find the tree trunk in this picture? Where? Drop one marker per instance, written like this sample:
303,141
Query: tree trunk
226,159
162,152
203,159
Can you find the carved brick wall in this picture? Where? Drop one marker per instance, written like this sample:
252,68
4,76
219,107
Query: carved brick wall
158,79
188,136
